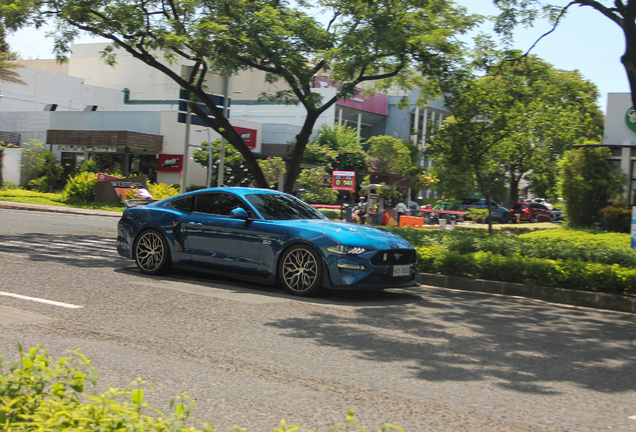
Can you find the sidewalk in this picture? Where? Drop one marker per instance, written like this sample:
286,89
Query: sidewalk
57,209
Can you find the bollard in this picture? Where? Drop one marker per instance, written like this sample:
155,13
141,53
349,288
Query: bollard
442,224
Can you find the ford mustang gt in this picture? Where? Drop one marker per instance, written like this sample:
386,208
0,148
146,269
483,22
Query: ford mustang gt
263,235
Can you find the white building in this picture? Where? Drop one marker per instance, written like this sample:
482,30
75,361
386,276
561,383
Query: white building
620,137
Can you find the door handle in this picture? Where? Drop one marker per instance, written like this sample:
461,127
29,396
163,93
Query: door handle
195,225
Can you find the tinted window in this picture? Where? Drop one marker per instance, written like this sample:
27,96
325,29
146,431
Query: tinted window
183,203
217,203
282,207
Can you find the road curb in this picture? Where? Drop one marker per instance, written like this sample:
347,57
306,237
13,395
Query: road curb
606,301
55,209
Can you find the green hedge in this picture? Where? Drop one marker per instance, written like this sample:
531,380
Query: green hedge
574,259
40,393
573,274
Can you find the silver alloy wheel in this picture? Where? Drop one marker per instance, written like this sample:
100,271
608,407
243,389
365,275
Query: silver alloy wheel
300,270
150,252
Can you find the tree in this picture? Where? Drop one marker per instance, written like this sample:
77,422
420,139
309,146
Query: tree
315,182
358,43
340,147
236,172
511,121
622,13
588,182
273,168
7,70
389,155
30,154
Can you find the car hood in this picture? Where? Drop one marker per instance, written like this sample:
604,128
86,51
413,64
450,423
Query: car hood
352,234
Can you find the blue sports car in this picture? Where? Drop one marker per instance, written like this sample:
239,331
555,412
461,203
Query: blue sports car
263,235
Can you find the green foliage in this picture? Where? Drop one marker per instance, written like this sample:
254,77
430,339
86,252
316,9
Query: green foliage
80,188
562,258
389,155
89,166
616,218
588,182
160,191
315,181
8,185
395,44
40,393
50,171
29,157
511,116
272,169
330,213
235,170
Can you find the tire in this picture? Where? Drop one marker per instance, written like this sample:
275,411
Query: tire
300,271
152,253
552,219
533,219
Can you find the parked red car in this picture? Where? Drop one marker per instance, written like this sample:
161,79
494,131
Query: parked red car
531,212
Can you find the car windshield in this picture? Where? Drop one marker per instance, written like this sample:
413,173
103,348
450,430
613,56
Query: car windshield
282,207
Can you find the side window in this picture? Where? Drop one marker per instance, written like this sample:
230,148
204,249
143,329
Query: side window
218,204
184,204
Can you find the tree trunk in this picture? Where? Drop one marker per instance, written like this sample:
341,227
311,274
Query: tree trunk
513,193
293,167
629,58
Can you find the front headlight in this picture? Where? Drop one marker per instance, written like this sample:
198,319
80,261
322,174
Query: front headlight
344,250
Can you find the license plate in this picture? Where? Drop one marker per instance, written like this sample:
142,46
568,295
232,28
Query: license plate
516,214
401,270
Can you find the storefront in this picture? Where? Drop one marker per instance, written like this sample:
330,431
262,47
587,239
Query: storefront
131,153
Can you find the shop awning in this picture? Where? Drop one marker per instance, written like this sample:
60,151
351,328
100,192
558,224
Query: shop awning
99,138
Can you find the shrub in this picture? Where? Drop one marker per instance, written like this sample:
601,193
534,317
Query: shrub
160,191
80,188
39,393
330,213
7,185
616,218
499,268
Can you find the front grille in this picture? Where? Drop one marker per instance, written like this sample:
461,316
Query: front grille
394,257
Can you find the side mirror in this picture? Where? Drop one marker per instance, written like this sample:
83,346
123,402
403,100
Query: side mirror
239,213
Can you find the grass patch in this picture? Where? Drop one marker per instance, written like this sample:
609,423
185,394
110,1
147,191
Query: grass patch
53,199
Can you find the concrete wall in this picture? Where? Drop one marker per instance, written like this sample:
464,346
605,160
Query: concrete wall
43,88
11,165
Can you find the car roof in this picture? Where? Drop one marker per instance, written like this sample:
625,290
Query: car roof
240,191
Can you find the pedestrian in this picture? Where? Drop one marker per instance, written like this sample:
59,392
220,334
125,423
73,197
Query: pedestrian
143,194
401,209
359,211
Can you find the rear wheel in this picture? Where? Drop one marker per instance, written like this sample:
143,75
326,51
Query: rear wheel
152,254
533,219
300,271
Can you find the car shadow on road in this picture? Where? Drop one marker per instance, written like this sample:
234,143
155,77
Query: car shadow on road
73,250
521,345
356,298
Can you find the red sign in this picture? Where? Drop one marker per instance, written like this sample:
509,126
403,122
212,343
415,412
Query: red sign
248,135
343,180
170,163
104,177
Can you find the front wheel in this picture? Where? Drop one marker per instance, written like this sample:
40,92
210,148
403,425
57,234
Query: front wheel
300,271
152,254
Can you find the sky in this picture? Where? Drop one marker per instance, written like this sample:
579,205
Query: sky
585,40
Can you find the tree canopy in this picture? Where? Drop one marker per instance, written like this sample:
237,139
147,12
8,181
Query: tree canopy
399,41
515,119
621,12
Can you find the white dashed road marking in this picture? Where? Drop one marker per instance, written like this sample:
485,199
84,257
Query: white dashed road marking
35,299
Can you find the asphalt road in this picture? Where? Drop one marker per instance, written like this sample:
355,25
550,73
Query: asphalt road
429,359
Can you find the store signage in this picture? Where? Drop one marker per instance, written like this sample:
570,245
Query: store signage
104,177
630,119
87,149
248,135
343,180
170,163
